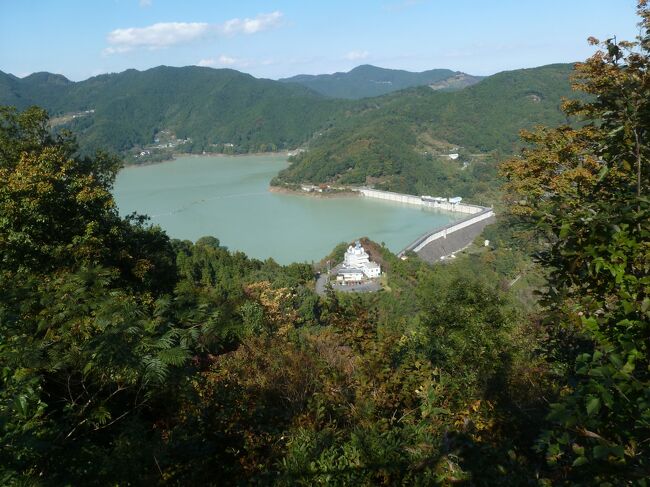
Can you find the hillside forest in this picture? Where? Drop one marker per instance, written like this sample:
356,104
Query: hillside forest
399,141
128,358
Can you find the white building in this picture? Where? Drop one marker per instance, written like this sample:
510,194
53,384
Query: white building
357,265
349,275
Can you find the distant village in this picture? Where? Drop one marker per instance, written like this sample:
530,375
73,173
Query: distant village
163,141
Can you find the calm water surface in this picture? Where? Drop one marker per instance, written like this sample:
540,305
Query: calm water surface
228,197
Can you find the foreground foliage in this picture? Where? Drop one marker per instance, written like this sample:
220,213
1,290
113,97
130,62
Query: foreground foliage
585,193
129,359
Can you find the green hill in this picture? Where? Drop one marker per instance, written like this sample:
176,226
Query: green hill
401,141
398,141
367,81
211,106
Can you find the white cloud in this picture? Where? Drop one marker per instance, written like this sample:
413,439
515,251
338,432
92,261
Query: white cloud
227,60
145,3
356,55
206,63
166,34
251,26
222,60
155,36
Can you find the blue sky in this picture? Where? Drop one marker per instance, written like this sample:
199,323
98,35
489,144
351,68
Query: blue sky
273,39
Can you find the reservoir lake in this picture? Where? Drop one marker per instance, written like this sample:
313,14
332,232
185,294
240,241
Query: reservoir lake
229,198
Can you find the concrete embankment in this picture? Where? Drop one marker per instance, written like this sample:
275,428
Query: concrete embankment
418,201
434,250
441,242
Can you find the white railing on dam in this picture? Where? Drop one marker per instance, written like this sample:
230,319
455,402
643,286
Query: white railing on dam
418,201
475,214
438,233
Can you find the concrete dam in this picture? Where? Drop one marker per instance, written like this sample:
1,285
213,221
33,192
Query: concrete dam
440,242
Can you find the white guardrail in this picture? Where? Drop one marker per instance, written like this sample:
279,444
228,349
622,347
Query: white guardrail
476,214
418,201
427,238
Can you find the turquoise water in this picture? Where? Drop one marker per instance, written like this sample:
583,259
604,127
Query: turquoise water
228,197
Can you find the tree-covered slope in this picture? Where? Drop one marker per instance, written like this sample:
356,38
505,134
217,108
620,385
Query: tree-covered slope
130,359
394,140
207,105
388,140
367,81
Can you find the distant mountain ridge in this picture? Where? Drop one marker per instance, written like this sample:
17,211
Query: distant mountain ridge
367,81
208,105
399,141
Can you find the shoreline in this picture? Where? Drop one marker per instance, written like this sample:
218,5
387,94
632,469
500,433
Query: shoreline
312,194
221,154
177,155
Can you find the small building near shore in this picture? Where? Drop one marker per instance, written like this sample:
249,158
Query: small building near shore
357,266
350,276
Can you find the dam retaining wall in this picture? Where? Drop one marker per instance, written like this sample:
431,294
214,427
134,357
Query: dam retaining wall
418,201
447,230
440,242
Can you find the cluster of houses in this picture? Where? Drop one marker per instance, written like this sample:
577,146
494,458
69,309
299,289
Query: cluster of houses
357,266
437,199
84,113
311,188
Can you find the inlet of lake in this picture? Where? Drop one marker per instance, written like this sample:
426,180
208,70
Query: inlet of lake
229,198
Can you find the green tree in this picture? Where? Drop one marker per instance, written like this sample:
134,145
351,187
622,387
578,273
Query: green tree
585,191
86,340
57,210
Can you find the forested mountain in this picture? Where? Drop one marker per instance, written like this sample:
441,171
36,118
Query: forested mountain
208,105
125,110
367,80
397,141
128,358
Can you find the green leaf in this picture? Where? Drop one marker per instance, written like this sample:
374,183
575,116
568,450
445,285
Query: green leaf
21,405
436,411
593,406
578,450
645,305
564,230
602,173
87,368
580,461
600,451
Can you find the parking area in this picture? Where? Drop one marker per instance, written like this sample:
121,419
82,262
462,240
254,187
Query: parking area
364,287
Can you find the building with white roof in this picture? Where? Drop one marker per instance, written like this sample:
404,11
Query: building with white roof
357,265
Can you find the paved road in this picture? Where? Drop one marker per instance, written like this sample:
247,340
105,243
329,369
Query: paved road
321,281
366,287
